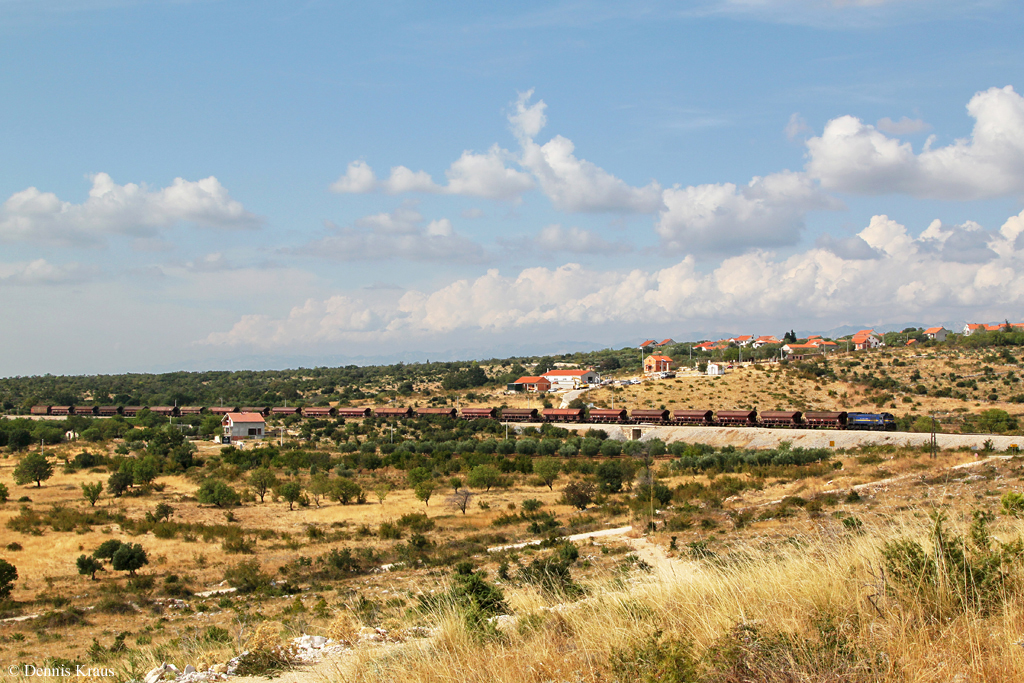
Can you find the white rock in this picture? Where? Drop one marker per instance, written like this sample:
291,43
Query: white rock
318,641
155,674
189,669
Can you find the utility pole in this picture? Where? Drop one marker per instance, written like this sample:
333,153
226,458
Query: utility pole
933,443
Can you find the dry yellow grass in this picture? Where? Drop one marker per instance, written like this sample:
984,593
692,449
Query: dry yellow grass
792,590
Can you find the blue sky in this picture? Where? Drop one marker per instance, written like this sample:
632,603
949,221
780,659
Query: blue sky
262,184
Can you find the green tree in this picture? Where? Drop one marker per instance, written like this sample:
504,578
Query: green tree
291,491
590,447
611,448
382,490
483,476
107,549
424,490
88,566
161,513
547,469
319,487
455,483
345,490
19,439
417,475
33,467
610,475
144,471
217,492
262,480
130,557
118,483
8,575
578,494
4,493
92,492
996,421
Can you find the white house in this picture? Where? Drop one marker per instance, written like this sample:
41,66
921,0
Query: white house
716,369
866,339
242,427
570,379
937,333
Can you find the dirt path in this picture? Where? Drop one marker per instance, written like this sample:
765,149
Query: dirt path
619,531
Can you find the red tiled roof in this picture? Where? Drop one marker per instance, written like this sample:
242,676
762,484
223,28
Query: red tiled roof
933,330
663,342
659,358
531,380
649,342
566,373
245,417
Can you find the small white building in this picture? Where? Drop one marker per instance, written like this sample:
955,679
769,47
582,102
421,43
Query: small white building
570,379
715,369
937,333
243,427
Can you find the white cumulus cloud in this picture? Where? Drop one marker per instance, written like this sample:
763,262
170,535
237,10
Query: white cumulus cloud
571,183
112,209
471,175
766,212
853,156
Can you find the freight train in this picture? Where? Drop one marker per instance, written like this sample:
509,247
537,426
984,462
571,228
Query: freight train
792,419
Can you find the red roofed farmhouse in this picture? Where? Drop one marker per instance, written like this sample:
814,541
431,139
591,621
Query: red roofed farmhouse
243,427
536,384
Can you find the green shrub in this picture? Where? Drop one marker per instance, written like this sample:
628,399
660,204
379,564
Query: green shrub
1012,503
655,660
956,573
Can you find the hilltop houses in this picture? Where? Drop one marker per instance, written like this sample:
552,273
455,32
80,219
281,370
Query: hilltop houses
971,328
937,333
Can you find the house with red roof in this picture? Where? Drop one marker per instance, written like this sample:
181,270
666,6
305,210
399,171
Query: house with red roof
657,364
937,333
666,342
535,384
242,427
570,379
742,340
866,339
764,341
648,345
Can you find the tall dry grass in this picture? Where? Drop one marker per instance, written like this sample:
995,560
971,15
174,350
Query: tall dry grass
823,610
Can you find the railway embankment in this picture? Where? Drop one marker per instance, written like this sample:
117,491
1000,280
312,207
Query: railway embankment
760,437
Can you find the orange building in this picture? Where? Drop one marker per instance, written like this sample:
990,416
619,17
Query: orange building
657,364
